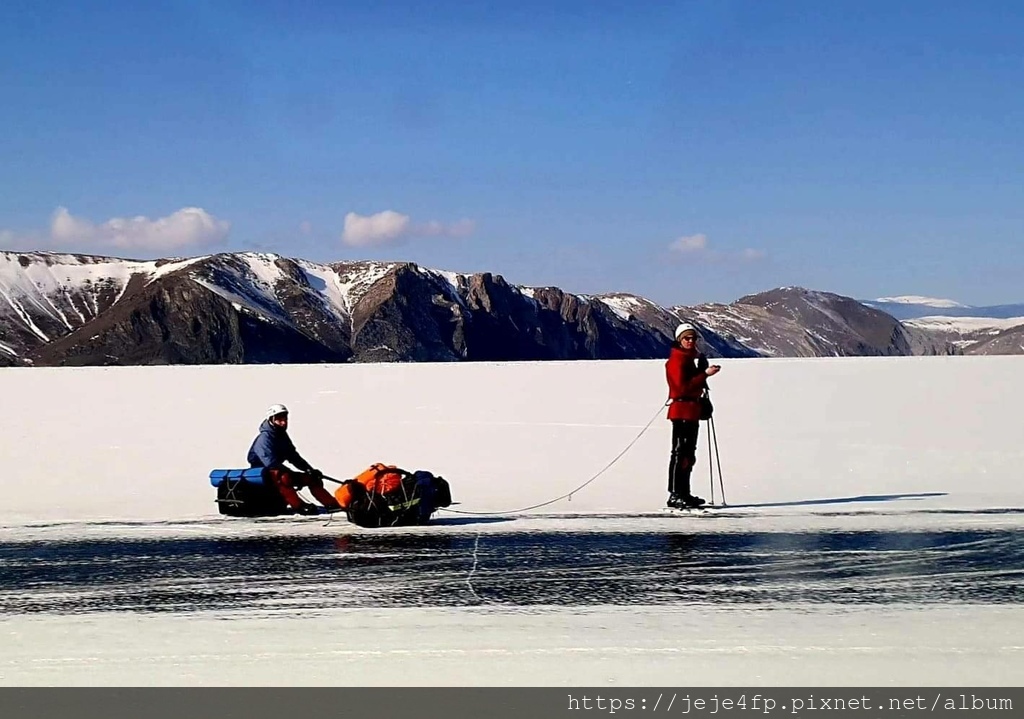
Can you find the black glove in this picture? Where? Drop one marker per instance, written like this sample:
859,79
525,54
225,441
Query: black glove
316,474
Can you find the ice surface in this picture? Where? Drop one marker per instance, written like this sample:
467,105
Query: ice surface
808,446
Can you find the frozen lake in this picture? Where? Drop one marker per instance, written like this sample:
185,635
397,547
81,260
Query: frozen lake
873,537
871,597
581,565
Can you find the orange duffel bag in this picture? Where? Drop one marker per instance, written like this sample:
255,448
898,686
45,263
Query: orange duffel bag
382,478
378,478
386,495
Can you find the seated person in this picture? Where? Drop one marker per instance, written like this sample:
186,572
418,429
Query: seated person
272,448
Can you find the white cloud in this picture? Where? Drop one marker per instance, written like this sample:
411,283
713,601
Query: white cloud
689,243
188,227
697,246
390,227
378,229
462,228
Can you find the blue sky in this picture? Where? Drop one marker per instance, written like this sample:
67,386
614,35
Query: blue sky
684,151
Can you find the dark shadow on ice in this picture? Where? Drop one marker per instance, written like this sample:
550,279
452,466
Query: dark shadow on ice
458,521
841,500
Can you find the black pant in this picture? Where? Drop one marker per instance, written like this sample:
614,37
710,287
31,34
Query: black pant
684,456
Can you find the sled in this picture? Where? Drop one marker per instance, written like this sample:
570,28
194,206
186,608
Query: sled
247,493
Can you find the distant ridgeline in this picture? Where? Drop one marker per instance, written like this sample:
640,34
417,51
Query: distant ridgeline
241,308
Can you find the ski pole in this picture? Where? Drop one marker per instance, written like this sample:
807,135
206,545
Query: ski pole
711,470
718,460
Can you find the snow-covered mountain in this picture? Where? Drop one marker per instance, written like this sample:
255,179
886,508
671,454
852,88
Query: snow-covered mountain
62,309
969,329
254,307
799,322
907,307
921,301
966,333
46,296
976,335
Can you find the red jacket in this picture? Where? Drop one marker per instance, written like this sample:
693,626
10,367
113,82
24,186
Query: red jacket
684,370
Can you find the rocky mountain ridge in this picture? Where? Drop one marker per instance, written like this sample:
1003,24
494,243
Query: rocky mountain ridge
76,310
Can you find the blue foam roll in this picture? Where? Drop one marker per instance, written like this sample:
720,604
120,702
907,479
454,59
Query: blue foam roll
254,475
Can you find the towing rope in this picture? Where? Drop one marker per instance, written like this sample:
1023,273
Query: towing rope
568,495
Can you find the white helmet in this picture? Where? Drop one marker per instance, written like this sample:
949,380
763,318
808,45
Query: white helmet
685,327
275,409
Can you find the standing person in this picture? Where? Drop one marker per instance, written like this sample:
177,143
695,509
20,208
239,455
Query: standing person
686,371
272,448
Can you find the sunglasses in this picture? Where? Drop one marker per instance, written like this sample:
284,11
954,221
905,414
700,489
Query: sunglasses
688,338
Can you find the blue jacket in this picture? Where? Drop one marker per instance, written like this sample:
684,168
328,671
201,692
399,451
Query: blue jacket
273,447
